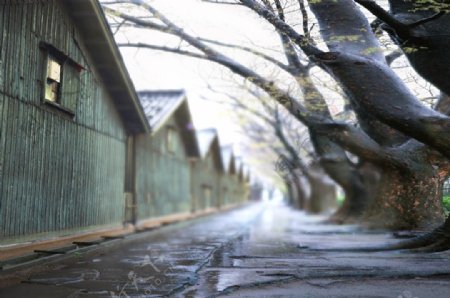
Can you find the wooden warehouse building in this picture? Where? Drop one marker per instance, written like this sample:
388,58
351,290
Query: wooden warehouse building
80,151
163,177
206,172
68,109
229,181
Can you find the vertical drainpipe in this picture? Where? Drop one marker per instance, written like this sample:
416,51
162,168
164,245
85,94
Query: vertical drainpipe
130,182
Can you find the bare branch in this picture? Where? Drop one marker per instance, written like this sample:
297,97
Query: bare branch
249,50
401,29
162,48
221,2
304,13
281,26
311,119
391,57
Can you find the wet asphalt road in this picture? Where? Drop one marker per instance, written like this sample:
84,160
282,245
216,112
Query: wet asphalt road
261,250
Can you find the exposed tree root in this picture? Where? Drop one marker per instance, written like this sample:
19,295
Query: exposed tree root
434,241
421,241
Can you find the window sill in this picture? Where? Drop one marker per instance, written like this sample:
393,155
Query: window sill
59,107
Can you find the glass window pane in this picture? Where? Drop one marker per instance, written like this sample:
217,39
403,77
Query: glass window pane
51,91
53,70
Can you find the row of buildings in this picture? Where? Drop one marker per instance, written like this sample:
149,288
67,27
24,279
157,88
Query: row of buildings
80,149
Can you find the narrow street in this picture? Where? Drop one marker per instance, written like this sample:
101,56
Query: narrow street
260,250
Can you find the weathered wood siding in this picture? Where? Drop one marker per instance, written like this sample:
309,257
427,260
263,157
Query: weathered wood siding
162,177
57,173
205,175
233,191
228,186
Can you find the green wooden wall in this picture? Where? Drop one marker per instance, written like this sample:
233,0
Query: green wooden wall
236,191
57,173
162,177
205,175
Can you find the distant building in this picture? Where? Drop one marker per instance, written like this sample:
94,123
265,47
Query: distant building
163,175
206,172
228,179
241,191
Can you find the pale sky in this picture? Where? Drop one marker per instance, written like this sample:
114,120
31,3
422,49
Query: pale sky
157,70
151,69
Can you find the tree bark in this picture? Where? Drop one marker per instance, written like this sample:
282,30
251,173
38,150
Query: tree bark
322,197
301,192
406,200
290,193
424,36
371,87
358,193
410,198
367,79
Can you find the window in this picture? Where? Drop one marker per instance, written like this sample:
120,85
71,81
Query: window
171,140
61,80
53,80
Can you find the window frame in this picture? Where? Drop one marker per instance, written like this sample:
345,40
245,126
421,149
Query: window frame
51,52
50,57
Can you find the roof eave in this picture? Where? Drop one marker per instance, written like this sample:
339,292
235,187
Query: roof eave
106,57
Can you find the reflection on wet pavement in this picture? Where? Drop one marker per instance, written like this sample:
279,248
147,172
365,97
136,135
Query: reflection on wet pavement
259,250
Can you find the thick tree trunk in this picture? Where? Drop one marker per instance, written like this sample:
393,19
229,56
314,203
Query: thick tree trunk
290,193
367,79
407,200
322,197
298,183
337,165
322,191
358,194
425,45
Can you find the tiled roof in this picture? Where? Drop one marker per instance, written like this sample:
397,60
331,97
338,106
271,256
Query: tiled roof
159,105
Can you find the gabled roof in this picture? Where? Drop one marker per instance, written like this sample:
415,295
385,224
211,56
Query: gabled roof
208,140
228,159
99,42
205,139
160,105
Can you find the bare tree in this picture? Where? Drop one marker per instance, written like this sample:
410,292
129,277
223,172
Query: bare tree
408,142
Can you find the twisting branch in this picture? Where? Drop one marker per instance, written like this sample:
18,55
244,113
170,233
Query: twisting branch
266,13
347,136
222,2
114,2
281,96
426,20
249,50
162,48
391,57
306,29
278,127
289,50
402,30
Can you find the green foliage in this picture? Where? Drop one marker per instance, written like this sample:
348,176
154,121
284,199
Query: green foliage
340,199
446,203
